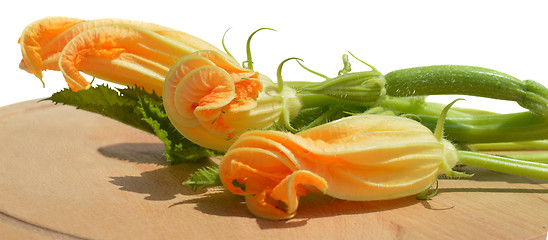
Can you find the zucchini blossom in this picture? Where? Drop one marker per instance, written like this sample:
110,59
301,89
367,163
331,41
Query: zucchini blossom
121,51
211,100
363,157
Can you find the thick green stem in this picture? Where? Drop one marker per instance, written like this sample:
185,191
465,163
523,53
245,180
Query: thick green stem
511,146
319,100
531,157
524,126
460,126
418,106
359,87
463,127
467,80
503,164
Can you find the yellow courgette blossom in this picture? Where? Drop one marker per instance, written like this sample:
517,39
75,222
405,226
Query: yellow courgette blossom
211,100
210,105
366,157
117,50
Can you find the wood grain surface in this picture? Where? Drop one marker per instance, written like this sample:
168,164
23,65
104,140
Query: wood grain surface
70,174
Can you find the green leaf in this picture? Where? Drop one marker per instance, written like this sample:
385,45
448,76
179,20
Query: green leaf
134,94
178,148
204,177
137,108
105,101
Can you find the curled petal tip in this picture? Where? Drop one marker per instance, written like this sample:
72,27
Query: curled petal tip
257,204
38,37
292,188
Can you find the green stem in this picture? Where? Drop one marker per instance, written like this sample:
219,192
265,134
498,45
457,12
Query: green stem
511,146
460,126
503,164
467,80
323,118
279,73
298,85
312,71
224,45
249,60
359,87
319,100
417,106
531,157
463,127
513,127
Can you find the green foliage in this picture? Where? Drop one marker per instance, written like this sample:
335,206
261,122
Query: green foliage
137,93
139,109
178,148
204,177
105,101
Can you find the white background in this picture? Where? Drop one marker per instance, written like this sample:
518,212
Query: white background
509,36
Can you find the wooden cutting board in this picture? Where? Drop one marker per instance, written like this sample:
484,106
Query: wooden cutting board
70,174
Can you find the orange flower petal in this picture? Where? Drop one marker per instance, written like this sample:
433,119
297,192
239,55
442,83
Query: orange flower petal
247,82
221,60
180,115
245,162
292,187
208,92
280,155
109,42
203,92
38,34
51,35
247,91
122,70
260,206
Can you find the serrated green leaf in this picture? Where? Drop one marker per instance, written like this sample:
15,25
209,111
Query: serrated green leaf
178,148
105,101
134,94
137,108
203,178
